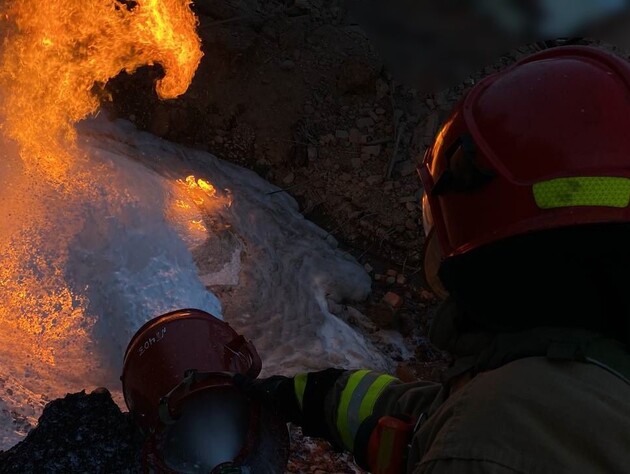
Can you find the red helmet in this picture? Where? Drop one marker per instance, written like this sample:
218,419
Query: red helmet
540,145
177,384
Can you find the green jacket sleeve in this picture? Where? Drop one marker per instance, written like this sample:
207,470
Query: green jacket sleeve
338,405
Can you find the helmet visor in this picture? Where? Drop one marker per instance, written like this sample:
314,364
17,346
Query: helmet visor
211,430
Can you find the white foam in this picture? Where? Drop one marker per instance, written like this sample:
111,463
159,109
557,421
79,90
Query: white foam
129,253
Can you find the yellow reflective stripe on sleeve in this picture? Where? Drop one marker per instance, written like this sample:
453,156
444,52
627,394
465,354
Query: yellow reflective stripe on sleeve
367,405
344,403
357,402
299,385
606,191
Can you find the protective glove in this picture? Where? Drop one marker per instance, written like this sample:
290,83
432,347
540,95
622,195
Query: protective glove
276,393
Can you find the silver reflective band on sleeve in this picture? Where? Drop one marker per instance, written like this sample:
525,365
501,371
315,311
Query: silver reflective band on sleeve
357,402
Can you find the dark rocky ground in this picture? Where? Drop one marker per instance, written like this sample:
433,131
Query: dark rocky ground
295,91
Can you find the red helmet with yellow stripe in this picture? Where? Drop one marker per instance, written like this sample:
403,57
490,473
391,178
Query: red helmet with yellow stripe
540,145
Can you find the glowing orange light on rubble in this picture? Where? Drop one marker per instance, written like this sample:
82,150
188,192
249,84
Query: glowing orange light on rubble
206,187
204,195
58,53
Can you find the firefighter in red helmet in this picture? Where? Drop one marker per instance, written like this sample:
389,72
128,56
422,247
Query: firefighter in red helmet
527,215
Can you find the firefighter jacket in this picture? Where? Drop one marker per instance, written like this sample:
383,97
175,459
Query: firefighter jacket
544,401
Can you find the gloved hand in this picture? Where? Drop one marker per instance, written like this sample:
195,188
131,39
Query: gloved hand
276,393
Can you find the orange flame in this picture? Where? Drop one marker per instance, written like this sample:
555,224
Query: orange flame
58,53
205,197
55,58
201,184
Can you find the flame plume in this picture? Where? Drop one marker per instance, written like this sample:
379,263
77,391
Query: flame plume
57,52
55,58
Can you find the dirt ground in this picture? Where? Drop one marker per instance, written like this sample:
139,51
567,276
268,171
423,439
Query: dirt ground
295,91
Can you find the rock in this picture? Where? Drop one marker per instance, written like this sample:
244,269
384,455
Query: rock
78,433
386,221
355,136
221,10
365,122
382,315
287,65
430,126
382,89
371,150
327,139
410,224
406,199
231,40
374,180
302,4
312,153
426,295
406,168
342,134
160,123
100,391
405,374
393,300
289,178
357,74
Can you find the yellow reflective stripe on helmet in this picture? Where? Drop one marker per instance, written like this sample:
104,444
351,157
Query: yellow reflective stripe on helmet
582,191
299,386
357,402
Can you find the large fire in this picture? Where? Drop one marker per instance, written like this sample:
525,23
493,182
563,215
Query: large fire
58,53
56,57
